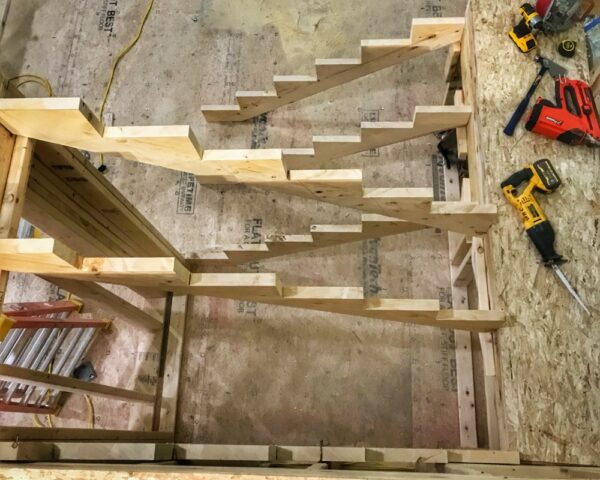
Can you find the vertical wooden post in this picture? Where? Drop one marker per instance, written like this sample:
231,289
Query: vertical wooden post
13,186
464,356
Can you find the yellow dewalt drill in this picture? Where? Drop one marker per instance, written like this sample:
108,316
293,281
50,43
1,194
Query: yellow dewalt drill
540,176
523,33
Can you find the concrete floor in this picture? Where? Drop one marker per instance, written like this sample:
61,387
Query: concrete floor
254,373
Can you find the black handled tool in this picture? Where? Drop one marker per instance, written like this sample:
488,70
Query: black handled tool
546,66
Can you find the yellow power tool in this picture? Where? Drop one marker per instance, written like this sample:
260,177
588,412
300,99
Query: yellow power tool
523,33
540,176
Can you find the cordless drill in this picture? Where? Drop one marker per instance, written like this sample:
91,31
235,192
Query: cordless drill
540,176
573,119
523,33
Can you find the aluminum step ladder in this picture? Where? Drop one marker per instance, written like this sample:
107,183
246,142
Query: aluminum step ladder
43,336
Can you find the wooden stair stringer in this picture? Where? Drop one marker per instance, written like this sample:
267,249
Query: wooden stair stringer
426,120
427,34
320,236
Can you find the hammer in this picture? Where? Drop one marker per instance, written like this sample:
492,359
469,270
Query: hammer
546,65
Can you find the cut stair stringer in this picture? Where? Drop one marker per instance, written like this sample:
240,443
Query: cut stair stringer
426,120
69,122
427,34
51,258
415,205
320,236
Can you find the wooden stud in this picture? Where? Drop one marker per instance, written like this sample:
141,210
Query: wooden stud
464,273
99,297
452,63
462,143
49,380
427,34
13,184
170,388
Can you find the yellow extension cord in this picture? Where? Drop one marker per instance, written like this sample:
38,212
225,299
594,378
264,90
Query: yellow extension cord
30,78
120,57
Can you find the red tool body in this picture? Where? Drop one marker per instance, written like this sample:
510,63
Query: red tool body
573,119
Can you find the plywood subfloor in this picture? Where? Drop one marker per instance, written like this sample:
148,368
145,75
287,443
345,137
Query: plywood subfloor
550,350
252,373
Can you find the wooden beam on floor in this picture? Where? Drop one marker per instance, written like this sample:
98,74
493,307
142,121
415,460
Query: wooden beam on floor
225,453
112,452
427,34
506,457
27,452
67,384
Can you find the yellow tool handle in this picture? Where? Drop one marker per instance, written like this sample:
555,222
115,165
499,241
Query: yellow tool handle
529,209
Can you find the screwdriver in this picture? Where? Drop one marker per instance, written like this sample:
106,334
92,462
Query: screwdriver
540,176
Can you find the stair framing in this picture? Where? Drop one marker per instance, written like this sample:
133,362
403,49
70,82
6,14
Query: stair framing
345,188
427,34
70,122
320,236
49,257
426,120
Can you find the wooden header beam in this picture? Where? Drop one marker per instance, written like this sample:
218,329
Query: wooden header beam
427,34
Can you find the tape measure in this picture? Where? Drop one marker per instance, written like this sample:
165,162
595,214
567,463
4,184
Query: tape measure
567,48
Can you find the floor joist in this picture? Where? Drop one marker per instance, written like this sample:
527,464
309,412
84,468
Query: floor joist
427,34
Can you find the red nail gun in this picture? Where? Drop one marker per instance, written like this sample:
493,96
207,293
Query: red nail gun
573,120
